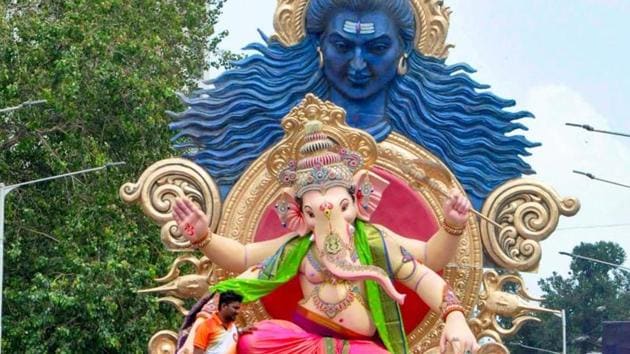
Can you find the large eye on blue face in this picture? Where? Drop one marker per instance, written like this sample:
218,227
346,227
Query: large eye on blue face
379,46
340,44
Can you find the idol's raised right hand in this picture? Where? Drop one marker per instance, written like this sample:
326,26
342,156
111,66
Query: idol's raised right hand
192,222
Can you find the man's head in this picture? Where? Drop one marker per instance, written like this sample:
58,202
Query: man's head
229,305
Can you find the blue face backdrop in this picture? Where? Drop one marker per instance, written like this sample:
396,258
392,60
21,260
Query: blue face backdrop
360,65
437,106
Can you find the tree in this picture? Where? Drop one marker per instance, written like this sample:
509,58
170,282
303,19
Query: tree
591,294
75,254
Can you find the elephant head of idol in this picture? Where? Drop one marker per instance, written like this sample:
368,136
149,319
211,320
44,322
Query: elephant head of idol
325,189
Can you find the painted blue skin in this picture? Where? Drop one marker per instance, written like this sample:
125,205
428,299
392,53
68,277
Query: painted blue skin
435,105
361,66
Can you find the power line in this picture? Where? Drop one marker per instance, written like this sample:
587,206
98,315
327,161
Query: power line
533,348
592,176
591,227
591,129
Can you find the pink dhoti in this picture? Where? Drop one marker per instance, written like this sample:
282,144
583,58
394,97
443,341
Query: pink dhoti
279,336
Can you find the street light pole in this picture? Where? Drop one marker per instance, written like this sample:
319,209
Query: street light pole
22,105
4,191
595,260
592,176
600,308
564,331
562,314
591,129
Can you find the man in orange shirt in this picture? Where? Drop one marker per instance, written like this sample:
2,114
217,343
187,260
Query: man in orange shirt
218,333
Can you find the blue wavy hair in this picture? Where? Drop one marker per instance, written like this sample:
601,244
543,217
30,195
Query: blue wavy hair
438,106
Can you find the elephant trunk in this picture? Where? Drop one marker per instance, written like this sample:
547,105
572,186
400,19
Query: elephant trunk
335,247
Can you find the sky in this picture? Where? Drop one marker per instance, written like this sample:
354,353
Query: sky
562,60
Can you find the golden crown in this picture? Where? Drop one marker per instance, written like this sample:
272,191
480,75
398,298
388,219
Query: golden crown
319,149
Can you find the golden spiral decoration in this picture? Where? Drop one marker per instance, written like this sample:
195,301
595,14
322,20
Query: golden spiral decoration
163,342
163,182
529,212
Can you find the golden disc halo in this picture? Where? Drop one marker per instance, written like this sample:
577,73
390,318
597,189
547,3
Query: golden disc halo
432,22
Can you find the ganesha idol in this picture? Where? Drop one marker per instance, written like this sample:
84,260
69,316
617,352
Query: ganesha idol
346,265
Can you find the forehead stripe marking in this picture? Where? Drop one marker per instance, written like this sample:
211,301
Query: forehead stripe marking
358,27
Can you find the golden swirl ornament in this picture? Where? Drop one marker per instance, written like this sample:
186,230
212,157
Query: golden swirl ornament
432,22
529,211
163,182
163,342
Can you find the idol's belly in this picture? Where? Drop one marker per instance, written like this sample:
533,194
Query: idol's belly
342,303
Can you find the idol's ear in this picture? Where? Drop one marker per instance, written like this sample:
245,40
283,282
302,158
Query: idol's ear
369,188
289,212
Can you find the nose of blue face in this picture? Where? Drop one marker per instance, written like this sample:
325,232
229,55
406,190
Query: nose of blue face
358,63
358,73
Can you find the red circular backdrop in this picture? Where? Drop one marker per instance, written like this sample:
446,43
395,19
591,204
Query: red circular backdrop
401,209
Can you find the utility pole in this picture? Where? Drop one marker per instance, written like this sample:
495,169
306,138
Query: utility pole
4,191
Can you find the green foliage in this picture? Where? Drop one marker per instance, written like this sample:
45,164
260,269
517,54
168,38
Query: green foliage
75,253
592,293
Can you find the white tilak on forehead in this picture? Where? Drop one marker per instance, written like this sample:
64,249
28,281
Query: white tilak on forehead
358,27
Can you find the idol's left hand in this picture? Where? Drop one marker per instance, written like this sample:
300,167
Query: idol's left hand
457,334
456,208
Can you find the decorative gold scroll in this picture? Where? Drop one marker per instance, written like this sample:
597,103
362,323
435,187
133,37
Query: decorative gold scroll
432,22
164,181
529,211
163,342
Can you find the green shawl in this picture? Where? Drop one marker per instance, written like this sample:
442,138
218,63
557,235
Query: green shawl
284,265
